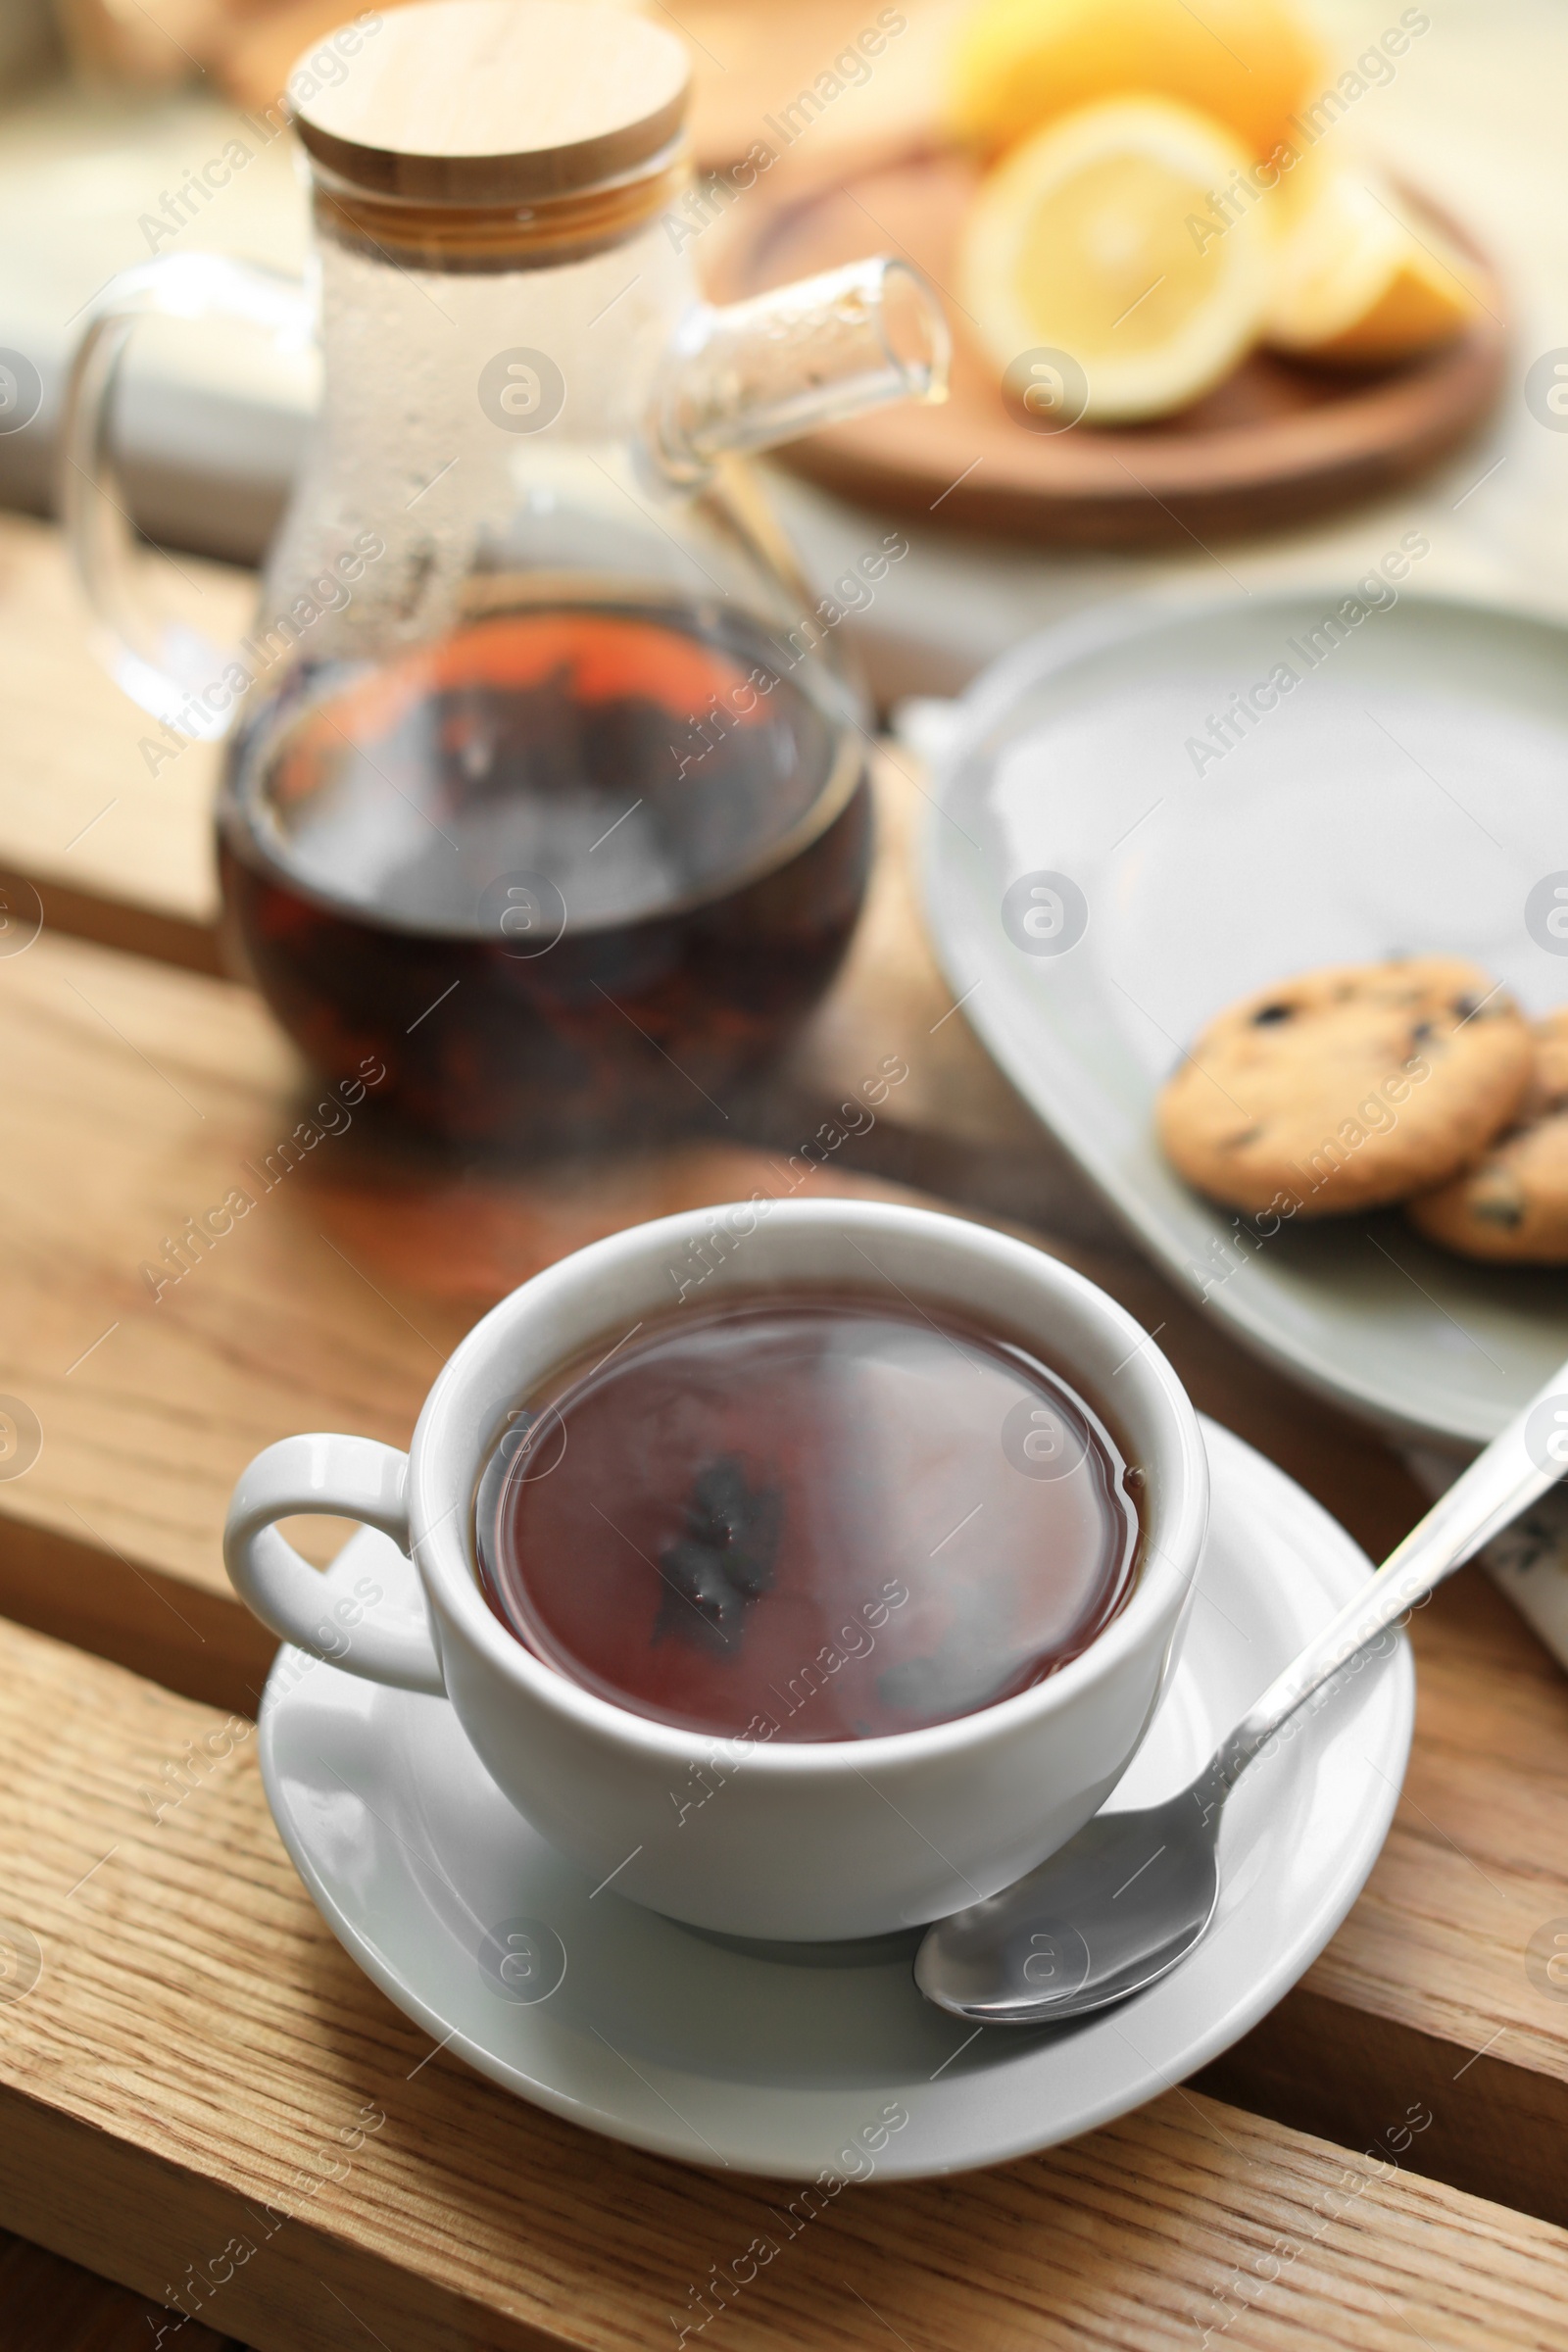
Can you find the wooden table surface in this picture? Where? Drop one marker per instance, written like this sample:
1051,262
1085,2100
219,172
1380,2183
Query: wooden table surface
179,2034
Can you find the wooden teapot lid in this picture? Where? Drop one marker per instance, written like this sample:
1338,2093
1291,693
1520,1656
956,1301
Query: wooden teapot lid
491,101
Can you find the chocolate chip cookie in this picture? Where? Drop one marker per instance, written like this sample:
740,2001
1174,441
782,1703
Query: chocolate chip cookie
1512,1206
1348,1087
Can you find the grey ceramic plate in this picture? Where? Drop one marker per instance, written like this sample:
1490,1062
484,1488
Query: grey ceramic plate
1409,792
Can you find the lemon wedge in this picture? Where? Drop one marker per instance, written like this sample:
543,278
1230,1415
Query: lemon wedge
1097,239
1357,281
1020,64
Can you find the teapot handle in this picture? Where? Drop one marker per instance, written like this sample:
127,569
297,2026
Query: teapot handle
166,665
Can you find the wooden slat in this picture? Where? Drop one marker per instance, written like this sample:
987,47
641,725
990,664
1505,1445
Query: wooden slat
195,2039
1427,1985
54,2306
120,851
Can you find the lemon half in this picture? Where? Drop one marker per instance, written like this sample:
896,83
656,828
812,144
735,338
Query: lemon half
1020,64
1097,238
1356,281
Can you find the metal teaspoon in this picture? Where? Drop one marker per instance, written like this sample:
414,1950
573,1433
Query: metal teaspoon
1120,1903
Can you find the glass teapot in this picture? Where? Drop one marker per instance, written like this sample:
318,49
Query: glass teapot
545,787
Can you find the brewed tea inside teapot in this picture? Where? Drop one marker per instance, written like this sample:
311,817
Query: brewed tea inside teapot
545,782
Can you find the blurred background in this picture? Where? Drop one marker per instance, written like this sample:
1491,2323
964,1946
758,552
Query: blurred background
113,105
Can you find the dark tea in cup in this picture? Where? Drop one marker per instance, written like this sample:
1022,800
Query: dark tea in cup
807,1515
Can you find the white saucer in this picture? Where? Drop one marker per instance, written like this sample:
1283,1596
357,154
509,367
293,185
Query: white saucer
788,2064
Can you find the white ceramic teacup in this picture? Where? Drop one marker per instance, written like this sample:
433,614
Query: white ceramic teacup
797,1840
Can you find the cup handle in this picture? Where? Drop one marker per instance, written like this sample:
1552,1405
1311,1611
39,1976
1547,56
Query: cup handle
168,667
348,1478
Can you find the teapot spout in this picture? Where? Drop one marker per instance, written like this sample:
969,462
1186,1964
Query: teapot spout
748,376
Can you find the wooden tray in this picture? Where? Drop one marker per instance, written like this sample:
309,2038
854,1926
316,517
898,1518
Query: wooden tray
195,2043
195,2036
1275,444
201,2096
135,1090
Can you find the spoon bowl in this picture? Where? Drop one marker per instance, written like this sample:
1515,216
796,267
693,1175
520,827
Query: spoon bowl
1110,1912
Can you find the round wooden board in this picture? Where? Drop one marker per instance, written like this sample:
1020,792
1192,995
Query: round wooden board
1276,443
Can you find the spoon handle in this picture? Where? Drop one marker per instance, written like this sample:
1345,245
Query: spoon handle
1521,1463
